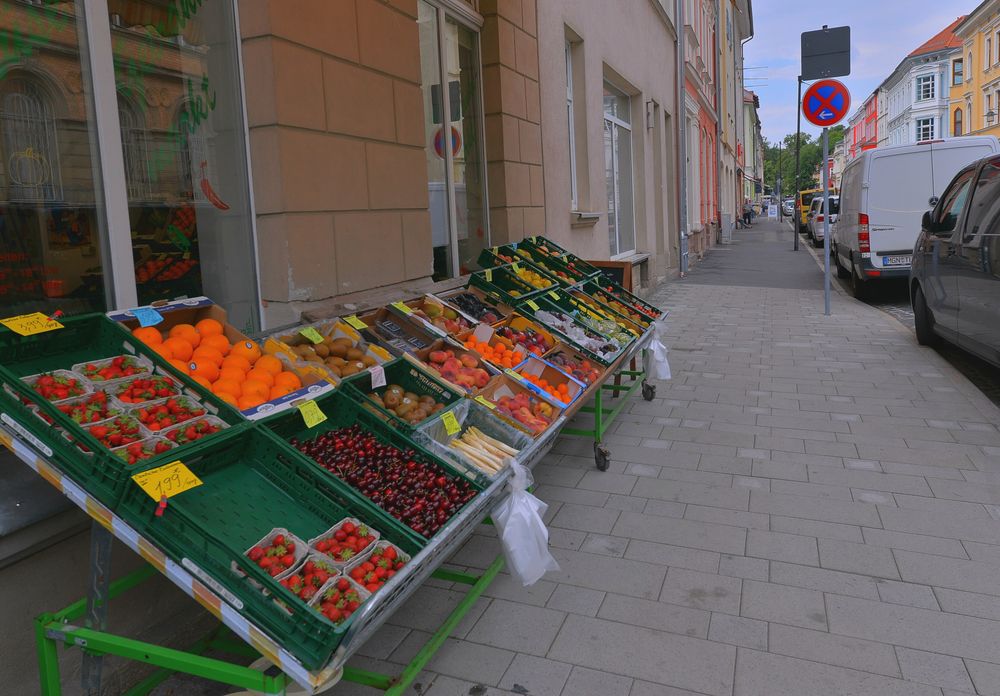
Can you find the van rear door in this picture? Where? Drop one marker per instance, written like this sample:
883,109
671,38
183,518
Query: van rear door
899,185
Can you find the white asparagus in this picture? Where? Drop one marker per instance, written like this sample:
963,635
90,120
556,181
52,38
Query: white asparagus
476,457
486,443
493,441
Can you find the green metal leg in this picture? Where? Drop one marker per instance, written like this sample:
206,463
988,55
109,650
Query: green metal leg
48,658
397,686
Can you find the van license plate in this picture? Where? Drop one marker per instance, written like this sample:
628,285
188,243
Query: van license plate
896,260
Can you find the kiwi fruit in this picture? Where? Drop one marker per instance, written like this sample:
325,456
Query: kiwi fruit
368,360
338,349
335,370
391,399
322,350
334,360
354,354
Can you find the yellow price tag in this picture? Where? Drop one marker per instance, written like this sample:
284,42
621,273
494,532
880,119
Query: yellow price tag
30,324
510,373
554,295
355,322
451,425
496,249
515,266
486,402
489,275
167,480
531,303
312,334
311,413
402,307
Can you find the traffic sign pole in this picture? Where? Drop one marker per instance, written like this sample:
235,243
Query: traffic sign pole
826,224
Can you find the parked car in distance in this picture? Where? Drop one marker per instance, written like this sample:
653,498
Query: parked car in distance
817,215
883,193
955,275
788,207
805,201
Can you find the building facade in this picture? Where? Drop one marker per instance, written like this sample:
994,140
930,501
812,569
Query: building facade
736,21
701,105
918,91
974,73
753,150
863,125
611,192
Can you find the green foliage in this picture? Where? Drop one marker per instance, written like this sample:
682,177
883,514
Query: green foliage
810,155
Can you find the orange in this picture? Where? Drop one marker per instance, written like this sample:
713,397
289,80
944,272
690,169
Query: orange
254,388
202,381
233,374
245,402
247,349
207,353
261,376
287,379
237,361
208,327
227,386
180,347
188,333
180,365
204,368
269,363
163,350
217,341
229,398
148,335
278,392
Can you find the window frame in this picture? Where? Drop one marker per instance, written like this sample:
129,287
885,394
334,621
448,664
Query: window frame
615,124
922,123
957,72
925,81
957,124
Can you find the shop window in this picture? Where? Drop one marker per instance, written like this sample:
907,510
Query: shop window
618,170
449,53
134,151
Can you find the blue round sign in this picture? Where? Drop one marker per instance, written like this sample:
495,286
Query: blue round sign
825,103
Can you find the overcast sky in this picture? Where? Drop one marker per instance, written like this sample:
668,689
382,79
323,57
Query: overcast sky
882,33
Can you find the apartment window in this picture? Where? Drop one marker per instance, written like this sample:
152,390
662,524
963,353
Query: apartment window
956,71
574,199
618,170
925,87
925,129
956,128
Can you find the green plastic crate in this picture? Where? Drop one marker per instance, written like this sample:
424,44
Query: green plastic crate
84,338
251,484
500,282
407,375
544,303
548,266
624,295
593,290
565,255
342,410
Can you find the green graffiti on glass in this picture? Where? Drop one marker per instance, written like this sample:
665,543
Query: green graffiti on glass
178,238
38,29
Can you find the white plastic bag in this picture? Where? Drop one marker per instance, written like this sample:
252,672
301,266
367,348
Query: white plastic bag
523,534
655,361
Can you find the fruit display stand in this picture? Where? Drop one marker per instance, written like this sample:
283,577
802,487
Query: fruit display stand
245,633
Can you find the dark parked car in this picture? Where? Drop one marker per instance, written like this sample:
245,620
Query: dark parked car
955,274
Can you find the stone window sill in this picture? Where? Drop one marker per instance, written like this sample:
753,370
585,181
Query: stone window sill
581,218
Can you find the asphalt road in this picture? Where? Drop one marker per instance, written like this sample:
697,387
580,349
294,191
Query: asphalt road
893,298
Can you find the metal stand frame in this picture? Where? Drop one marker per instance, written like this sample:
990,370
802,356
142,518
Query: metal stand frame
54,628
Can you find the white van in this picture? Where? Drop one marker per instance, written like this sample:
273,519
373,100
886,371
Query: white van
883,195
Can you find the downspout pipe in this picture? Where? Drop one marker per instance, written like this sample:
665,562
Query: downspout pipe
718,119
682,167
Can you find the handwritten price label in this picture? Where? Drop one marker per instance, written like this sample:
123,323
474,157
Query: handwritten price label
402,307
486,402
378,376
167,480
451,425
531,303
355,322
30,324
312,334
554,295
311,413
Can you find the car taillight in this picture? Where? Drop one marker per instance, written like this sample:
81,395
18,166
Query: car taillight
819,218
864,241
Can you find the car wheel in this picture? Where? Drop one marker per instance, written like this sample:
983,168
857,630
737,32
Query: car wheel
817,242
859,288
841,271
923,320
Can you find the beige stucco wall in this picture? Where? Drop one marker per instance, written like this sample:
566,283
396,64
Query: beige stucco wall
633,45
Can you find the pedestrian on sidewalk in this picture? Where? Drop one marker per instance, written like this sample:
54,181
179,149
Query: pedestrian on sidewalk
747,212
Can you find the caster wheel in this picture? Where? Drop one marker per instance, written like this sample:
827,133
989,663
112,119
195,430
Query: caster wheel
602,456
648,391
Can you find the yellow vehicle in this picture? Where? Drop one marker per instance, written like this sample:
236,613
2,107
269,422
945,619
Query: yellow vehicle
805,200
